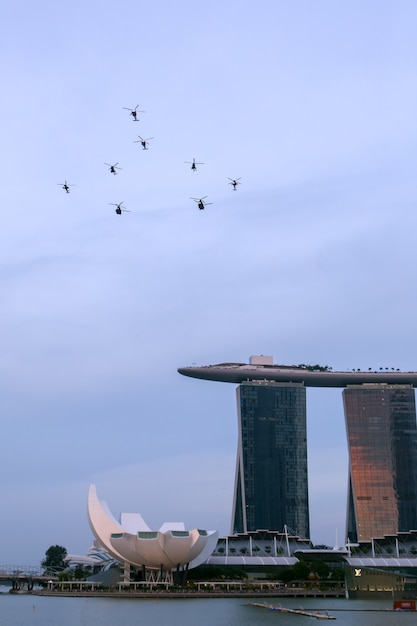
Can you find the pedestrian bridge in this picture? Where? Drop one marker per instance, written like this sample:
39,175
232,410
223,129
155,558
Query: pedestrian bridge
25,576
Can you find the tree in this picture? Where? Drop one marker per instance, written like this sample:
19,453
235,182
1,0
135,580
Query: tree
302,571
54,558
320,569
81,573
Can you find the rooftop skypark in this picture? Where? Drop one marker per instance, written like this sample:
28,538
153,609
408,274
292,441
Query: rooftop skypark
309,375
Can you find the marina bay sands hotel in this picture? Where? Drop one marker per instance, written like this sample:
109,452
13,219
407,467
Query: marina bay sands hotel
271,482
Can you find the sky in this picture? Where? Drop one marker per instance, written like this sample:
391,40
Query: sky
311,260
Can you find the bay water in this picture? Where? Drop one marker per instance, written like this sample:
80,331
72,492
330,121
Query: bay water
32,610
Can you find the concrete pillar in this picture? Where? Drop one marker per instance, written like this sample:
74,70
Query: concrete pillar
126,572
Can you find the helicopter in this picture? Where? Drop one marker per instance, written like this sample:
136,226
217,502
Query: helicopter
194,164
143,142
119,208
113,168
234,182
134,112
200,202
66,186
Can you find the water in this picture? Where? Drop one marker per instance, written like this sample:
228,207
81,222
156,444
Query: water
27,610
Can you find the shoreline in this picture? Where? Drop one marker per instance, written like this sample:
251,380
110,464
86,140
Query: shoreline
184,594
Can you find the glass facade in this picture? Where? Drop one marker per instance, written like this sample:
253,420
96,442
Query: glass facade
382,439
271,488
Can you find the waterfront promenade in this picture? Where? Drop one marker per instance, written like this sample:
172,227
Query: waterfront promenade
210,589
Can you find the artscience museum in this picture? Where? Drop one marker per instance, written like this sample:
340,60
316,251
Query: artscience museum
156,553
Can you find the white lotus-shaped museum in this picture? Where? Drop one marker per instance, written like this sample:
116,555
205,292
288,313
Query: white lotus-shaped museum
132,541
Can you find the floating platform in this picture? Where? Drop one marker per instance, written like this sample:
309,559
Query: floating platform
282,609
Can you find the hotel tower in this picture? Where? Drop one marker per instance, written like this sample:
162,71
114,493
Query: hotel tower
382,443
271,486
271,471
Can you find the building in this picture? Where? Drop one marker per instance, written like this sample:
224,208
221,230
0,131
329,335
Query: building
382,441
156,553
382,438
271,482
309,375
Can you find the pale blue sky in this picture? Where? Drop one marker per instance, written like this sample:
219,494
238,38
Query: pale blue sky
311,260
